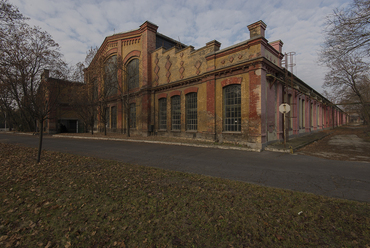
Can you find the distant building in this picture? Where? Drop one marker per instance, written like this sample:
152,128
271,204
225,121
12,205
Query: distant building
63,116
229,95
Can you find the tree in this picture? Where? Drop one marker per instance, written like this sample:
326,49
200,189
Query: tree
349,80
84,99
101,78
348,30
9,15
345,52
113,81
24,52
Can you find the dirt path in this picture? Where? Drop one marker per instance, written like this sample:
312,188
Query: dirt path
350,143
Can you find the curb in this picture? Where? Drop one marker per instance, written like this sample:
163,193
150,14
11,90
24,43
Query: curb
163,143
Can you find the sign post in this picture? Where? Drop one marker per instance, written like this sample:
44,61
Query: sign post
284,108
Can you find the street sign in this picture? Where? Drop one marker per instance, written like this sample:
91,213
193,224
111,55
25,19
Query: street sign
284,108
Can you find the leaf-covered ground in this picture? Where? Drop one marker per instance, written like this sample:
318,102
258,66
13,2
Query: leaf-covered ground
72,201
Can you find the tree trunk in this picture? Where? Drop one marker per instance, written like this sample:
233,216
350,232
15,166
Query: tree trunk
40,140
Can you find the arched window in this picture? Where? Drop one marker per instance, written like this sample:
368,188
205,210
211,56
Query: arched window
132,74
110,76
232,108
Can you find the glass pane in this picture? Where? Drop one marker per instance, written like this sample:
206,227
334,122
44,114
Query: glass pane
191,111
176,112
132,115
133,74
232,108
162,113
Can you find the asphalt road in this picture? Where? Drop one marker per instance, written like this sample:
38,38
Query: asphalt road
340,179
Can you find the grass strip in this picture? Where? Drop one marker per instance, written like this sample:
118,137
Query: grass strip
75,201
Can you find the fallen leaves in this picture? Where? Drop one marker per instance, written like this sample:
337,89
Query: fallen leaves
90,202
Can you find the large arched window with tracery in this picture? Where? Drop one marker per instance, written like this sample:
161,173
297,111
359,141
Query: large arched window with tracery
132,73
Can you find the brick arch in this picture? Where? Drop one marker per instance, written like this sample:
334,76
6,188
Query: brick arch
110,51
134,53
191,90
175,93
162,95
110,55
233,80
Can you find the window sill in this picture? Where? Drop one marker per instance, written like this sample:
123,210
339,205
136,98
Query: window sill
162,130
232,132
176,131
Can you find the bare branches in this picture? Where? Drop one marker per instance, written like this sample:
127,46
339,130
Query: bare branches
345,52
9,15
348,30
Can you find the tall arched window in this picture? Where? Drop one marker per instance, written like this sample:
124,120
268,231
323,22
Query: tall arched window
132,74
232,108
110,76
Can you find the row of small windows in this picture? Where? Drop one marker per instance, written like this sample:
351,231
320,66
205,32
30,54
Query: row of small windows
232,110
191,112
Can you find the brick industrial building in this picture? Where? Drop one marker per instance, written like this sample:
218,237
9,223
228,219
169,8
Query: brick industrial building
229,95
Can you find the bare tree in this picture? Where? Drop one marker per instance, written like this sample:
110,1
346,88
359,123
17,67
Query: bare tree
9,15
113,81
349,80
345,52
24,52
348,30
84,99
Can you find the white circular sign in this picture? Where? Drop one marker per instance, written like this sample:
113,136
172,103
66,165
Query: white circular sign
284,108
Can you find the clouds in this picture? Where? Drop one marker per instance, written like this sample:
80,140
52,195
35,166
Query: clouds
78,25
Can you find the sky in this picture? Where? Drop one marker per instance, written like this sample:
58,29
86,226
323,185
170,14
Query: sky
77,25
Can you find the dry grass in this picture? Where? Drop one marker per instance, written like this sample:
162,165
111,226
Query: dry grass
73,201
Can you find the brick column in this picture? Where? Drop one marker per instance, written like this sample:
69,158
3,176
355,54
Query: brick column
148,43
254,129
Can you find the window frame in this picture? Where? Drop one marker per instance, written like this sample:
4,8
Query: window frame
132,74
107,117
162,113
191,110
111,76
132,115
176,113
232,108
113,116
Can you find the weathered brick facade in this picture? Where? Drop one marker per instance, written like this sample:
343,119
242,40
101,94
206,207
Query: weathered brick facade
169,69
63,116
